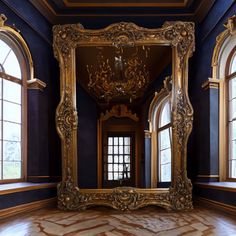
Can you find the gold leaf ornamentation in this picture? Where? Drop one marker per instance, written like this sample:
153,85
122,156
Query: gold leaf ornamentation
182,120
181,192
119,111
122,198
66,117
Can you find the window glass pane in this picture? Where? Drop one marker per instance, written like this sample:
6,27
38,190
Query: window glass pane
110,140
115,141
109,159
121,175
232,109
120,149
110,149
115,167
120,159
11,131
11,112
232,88
232,149
127,159
126,167
0,159
166,173
115,159
110,167
110,176
165,156
1,87
127,140
233,169
115,149
11,91
11,170
121,167
12,66
233,65
232,130
165,115
0,115
5,49
164,139
11,151
116,176
121,141
127,149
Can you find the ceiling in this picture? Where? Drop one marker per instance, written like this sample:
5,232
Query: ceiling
71,11
152,59
94,14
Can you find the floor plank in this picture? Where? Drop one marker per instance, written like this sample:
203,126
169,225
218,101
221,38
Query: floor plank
107,222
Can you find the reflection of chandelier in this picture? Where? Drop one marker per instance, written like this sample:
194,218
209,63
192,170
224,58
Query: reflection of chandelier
119,77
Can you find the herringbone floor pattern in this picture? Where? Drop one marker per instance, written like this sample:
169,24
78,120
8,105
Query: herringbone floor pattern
107,222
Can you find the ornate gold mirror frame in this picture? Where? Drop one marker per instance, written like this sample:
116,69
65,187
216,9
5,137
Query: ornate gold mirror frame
178,35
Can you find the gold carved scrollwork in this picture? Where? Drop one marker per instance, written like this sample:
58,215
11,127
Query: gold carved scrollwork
70,197
118,111
67,193
181,34
178,35
182,120
65,37
181,192
66,118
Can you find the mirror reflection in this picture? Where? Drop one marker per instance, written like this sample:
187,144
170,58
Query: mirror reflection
124,118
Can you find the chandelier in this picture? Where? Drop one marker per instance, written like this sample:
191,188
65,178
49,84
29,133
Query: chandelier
120,77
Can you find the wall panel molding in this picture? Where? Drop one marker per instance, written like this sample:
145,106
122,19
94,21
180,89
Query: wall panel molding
28,207
217,205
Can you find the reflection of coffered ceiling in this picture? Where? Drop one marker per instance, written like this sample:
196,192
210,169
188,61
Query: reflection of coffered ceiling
109,73
64,11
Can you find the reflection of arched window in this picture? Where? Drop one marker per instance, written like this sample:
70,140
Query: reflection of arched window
231,121
164,143
11,106
160,130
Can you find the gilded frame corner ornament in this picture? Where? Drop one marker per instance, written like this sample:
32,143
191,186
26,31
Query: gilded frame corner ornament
178,35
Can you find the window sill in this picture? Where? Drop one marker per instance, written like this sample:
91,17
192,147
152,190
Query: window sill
224,186
23,186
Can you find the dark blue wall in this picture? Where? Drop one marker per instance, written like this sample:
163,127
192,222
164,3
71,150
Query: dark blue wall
87,139
44,157
24,197
43,143
203,155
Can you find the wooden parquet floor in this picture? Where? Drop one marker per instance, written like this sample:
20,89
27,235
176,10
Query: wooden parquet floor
107,222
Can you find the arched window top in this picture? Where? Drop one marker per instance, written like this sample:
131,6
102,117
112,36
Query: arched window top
9,63
164,114
232,68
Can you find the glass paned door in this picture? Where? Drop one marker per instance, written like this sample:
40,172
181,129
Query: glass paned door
118,160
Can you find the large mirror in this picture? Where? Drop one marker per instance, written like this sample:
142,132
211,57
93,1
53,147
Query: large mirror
123,123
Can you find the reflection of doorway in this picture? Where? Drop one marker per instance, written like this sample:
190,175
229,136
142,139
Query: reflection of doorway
118,159
119,148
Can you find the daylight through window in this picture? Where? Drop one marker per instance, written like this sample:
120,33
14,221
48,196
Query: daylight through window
10,114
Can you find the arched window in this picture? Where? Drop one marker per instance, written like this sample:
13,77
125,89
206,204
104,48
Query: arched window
164,142
11,107
224,79
16,70
161,136
231,121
